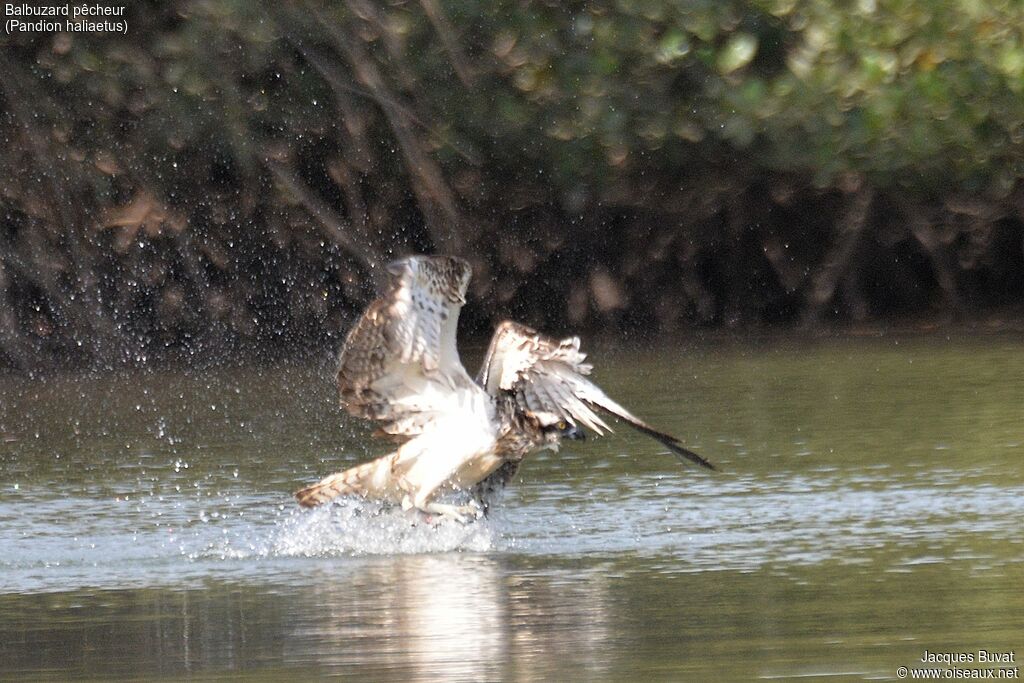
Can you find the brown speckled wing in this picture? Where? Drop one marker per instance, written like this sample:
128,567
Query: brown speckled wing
399,362
547,378
363,360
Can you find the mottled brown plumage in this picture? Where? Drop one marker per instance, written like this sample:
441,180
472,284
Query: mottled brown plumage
411,326
400,366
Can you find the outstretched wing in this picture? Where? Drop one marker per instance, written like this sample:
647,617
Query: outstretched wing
399,363
547,378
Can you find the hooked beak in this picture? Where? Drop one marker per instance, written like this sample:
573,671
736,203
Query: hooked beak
573,432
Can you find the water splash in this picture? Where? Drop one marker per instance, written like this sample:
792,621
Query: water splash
345,528
365,529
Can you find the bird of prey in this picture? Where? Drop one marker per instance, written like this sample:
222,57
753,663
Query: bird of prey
400,367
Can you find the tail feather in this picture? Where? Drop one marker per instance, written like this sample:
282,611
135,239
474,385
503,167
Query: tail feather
372,478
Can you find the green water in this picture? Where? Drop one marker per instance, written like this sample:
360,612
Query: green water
871,507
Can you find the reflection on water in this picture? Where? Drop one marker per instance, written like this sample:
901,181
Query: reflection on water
418,617
430,617
870,508
477,617
454,617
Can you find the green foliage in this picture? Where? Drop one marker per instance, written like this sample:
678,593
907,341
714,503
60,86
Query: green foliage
911,94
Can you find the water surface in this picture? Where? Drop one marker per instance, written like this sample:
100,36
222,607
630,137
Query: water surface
870,507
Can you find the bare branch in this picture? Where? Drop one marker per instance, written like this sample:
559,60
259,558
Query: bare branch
444,29
838,260
334,227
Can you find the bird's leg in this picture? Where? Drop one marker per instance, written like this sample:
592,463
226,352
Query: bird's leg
417,516
420,494
460,513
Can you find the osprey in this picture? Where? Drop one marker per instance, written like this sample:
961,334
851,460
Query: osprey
400,366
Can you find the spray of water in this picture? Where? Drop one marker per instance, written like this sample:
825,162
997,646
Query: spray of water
345,528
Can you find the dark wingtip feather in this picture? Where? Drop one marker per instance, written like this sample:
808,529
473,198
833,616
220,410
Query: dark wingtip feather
689,455
668,441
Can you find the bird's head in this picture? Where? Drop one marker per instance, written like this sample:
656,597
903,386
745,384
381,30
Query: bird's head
448,276
558,429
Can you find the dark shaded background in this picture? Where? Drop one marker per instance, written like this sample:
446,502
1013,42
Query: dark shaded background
228,178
